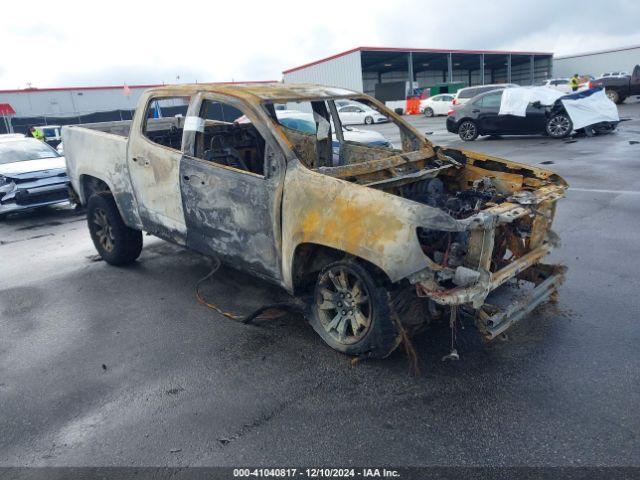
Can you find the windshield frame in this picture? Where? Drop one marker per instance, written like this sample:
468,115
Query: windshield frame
409,134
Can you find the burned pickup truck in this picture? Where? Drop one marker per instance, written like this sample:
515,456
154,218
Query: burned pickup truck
381,239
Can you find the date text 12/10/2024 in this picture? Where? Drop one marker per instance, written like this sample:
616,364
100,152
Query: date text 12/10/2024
315,473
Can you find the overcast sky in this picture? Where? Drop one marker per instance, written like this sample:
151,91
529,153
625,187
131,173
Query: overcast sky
68,43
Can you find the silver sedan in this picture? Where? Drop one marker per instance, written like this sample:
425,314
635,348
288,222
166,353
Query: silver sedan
32,174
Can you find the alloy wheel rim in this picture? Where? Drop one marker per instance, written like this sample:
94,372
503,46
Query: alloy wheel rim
467,130
104,232
344,305
611,96
558,125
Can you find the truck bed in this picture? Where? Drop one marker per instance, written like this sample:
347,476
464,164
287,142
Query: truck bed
99,151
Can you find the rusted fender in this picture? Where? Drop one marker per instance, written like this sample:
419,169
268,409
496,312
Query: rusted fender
361,221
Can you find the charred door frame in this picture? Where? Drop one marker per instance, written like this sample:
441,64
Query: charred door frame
241,223
162,218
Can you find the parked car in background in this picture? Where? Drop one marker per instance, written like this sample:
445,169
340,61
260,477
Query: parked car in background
32,174
304,122
344,103
560,84
480,116
436,105
564,84
360,114
618,88
465,94
52,134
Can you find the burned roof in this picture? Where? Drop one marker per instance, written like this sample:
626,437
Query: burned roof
263,91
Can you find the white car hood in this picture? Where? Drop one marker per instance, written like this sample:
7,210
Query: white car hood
362,136
30,166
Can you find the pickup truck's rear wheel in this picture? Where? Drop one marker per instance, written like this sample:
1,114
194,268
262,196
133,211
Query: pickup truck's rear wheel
116,243
351,311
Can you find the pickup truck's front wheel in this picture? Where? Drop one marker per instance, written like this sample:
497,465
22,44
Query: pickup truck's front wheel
351,311
116,243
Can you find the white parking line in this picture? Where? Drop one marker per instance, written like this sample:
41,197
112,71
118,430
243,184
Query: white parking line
597,190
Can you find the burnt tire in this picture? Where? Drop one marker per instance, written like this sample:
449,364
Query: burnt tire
468,131
351,311
368,120
116,243
559,125
428,112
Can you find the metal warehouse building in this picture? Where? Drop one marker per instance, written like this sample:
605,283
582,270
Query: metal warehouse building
597,63
61,106
72,101
65,106
363,68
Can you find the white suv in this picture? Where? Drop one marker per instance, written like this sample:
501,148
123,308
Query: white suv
465,94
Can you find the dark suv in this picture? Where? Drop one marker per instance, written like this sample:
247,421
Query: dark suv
480,116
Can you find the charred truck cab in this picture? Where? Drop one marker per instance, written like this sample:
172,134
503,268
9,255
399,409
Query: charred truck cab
383,238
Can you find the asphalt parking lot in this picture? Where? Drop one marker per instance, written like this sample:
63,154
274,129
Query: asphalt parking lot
121,366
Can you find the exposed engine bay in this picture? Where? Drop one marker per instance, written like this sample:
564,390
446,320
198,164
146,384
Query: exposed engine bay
458,204
463,186
449,249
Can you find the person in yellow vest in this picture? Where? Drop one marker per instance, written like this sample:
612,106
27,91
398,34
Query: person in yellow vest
574,82
36,133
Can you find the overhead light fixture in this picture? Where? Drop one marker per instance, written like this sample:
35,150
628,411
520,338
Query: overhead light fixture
387,64
456,64
425,64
